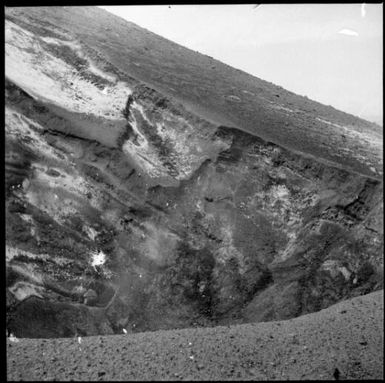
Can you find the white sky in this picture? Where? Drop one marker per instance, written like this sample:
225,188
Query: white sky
331,53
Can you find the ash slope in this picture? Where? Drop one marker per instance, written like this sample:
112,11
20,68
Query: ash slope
213,90
347,336
126,208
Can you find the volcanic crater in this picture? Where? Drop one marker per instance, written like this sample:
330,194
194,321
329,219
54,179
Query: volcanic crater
136,200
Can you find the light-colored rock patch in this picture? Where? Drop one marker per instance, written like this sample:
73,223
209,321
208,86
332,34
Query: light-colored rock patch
51,79
23,290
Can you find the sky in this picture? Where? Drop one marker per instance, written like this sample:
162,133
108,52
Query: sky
332,53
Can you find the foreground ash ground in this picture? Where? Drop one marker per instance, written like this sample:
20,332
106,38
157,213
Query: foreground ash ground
176,214
347,336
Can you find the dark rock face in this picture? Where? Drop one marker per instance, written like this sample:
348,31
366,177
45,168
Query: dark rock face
48,319
170,219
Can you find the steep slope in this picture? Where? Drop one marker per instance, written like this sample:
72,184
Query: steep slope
129,206
347,336
212,89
